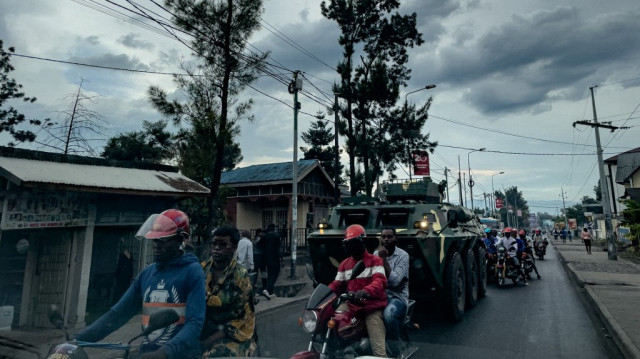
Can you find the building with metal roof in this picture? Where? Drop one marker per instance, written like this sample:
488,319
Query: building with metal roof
261,195
66,222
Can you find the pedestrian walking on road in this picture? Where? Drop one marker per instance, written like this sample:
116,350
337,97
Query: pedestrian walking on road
259,261
586,238
272,257
563,235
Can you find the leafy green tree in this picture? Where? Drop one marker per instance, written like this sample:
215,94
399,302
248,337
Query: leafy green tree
513,199
589,200
153,144
372,84
598,191
631,216
403,126
220,30
319,138
10,118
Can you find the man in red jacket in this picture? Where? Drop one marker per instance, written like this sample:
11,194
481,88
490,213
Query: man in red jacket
368,287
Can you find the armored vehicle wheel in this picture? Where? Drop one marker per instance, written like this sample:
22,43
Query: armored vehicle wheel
482,272
471,274
453,298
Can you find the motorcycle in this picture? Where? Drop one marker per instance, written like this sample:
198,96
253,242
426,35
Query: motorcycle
527,264
72,349
336,334
491,265
504,269
541,249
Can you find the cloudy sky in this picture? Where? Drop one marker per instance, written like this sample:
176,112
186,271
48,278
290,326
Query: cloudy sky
512,76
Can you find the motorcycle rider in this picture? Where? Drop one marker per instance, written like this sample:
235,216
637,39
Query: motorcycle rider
174,281
368,287
537,238
529,249
396,266
511,245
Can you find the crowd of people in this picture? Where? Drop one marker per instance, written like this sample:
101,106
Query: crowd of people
214,298
516,242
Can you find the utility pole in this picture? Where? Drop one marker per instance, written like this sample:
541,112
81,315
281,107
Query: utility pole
464,181
564,208
294,87
460,182
336,164
515,204
446,181
612,251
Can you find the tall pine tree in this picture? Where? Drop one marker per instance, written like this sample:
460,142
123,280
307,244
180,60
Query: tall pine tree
319,138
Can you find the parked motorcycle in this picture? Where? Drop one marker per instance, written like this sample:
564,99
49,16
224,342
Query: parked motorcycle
504,269
340,334
72,349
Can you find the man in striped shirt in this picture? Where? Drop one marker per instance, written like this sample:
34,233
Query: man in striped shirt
368,287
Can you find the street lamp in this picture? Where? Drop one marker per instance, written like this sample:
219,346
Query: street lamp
428,87
471,179
493,193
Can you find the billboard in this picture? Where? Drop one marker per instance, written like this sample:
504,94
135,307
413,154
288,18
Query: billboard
499,203
421,163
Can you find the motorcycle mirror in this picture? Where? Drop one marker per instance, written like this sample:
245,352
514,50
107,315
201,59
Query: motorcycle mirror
311,275
160,320
55,317
357,270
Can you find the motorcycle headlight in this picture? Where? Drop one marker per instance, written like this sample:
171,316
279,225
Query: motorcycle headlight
309,321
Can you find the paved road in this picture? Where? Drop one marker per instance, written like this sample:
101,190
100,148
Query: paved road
554,324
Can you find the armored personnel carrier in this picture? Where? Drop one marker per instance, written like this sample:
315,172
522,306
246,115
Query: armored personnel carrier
447,255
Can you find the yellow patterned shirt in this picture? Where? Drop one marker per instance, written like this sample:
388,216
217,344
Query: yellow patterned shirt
230,309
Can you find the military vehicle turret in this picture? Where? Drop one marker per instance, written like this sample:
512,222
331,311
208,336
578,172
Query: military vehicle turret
447,254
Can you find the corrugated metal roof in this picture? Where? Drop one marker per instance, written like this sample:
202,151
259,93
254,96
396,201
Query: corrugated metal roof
98,177
614,159
628,164
270,172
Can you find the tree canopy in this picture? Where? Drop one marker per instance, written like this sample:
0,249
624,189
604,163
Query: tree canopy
10,90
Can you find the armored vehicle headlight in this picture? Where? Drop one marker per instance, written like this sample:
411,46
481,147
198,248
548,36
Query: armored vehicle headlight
309,321
323,225
422,224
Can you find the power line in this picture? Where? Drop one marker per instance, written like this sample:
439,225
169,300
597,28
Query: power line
507,133
523,153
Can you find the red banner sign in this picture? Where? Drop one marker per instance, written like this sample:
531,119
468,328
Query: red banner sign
421,161
499,203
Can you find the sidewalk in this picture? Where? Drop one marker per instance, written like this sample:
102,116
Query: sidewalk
613,287
298,289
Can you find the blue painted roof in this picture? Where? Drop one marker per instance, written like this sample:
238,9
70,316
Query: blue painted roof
269,172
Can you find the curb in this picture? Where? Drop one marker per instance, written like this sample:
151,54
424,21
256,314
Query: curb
624,343
622,340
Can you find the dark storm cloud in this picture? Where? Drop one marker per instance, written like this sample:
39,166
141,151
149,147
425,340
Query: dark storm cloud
537,54
112,60
131,40
430,14
319,38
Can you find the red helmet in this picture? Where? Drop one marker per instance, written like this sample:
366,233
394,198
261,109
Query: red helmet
165,224
354,231
506,230
522,231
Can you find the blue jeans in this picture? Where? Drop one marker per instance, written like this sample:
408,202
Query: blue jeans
393,316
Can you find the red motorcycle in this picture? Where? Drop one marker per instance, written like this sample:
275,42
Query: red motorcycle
336,334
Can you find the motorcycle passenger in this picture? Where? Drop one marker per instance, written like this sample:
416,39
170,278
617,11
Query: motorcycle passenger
538,237
368,287
510,244
228,330
490,242
174,281
529,249
396,267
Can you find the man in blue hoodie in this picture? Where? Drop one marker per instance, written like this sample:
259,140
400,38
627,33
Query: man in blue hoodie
174,281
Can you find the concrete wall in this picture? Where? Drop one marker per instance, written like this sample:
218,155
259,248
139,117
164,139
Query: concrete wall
249,215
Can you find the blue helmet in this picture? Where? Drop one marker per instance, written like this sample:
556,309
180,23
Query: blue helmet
487,230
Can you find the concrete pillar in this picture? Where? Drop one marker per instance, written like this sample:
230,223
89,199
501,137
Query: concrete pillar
79,273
